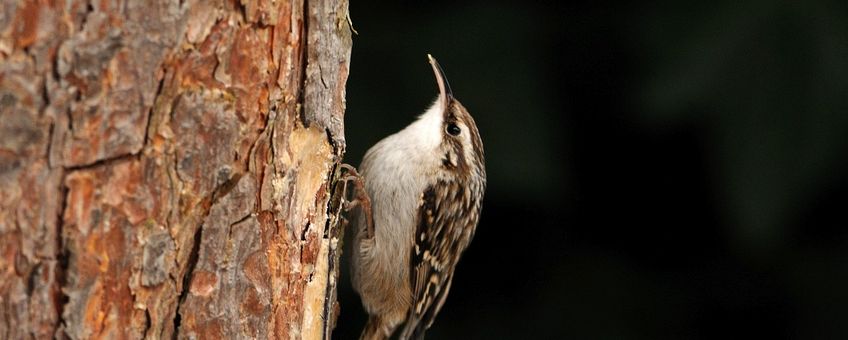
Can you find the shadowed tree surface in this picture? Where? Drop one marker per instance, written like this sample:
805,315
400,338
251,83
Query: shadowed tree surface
167,167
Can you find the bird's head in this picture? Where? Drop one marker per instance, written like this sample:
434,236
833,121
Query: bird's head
453,131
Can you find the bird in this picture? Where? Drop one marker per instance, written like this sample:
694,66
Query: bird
423,191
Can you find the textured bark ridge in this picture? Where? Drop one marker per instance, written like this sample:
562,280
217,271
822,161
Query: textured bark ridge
169,168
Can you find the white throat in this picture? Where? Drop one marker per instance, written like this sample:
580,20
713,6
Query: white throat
426,131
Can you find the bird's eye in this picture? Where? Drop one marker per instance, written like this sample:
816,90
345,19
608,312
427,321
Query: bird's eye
453,129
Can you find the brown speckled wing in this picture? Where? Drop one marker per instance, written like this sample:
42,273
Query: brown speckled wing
447,219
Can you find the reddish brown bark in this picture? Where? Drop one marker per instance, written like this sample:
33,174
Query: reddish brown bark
168,168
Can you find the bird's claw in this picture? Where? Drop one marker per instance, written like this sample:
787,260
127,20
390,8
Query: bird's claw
360,197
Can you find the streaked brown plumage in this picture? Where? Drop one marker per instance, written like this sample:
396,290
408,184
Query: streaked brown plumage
426,186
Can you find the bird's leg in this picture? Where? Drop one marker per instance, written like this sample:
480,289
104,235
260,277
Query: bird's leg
360,197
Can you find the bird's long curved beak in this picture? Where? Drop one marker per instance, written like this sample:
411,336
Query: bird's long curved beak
444,87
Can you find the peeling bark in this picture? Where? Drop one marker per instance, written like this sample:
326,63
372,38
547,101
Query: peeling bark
169,168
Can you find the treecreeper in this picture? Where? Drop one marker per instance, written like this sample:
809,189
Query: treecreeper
420,193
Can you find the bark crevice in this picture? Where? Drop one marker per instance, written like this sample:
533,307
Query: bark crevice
109,161
194,255
63,258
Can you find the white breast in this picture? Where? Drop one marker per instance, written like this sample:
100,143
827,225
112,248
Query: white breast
396,171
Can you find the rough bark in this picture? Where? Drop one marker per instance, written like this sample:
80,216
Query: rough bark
169,168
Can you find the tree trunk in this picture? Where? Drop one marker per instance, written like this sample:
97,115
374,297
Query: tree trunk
168,168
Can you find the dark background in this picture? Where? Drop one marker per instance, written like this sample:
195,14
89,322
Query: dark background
655,171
